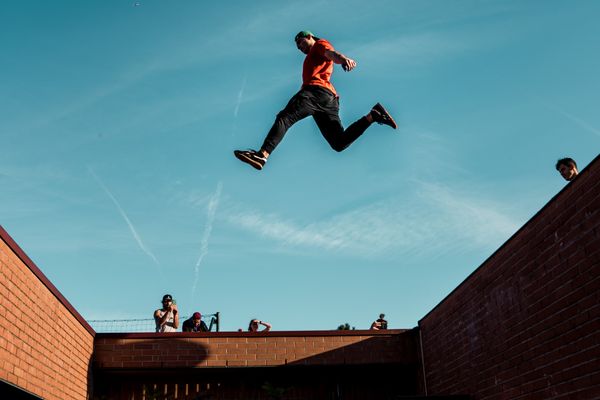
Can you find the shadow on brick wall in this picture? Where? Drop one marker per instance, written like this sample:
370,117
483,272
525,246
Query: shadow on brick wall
162,352
396,349
116,368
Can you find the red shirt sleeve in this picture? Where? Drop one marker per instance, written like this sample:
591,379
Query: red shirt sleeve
320,47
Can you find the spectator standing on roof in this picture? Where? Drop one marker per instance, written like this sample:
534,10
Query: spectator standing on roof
254,325
167,317
380,323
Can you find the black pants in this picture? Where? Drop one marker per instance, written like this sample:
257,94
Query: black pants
324,107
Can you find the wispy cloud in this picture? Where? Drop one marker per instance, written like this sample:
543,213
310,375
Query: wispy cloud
213,204
468,217
136,236
437,219
412,51
433,36
290,233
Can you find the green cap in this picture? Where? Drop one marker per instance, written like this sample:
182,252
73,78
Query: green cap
303,34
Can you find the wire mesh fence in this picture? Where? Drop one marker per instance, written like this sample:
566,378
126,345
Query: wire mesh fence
144,324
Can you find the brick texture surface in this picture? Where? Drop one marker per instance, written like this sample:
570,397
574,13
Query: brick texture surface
526,324
44,347
240,365
232,349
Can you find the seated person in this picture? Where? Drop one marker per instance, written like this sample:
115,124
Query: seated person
254,325
194,324
381,323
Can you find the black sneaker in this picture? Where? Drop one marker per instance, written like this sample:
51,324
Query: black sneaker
252,157
381,116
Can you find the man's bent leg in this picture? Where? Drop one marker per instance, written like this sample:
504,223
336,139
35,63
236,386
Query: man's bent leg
332,130
300,106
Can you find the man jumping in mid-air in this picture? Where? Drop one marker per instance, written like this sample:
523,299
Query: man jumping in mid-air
318,98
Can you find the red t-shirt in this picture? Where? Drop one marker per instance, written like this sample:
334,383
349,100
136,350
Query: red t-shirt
317,69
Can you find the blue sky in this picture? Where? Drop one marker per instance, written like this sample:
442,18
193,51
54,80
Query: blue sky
119,121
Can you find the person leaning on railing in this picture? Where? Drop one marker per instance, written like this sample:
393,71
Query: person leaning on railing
194,324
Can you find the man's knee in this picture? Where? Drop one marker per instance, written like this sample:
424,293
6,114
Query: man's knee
338,147
286,118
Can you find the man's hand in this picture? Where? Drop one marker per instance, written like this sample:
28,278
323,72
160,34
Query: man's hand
348,64
175,316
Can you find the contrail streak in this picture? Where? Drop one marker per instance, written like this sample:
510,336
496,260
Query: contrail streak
137,237
575,119
239,98
580,122
213,203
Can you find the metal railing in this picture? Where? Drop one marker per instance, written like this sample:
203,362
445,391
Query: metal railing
144,324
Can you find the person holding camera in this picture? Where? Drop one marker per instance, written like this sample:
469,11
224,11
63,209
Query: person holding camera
167,317
380,323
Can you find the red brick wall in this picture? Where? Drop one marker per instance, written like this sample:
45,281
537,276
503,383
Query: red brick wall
237,349
231,365
526,324
45,345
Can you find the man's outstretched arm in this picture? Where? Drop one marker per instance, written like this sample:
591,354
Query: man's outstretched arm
348,64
